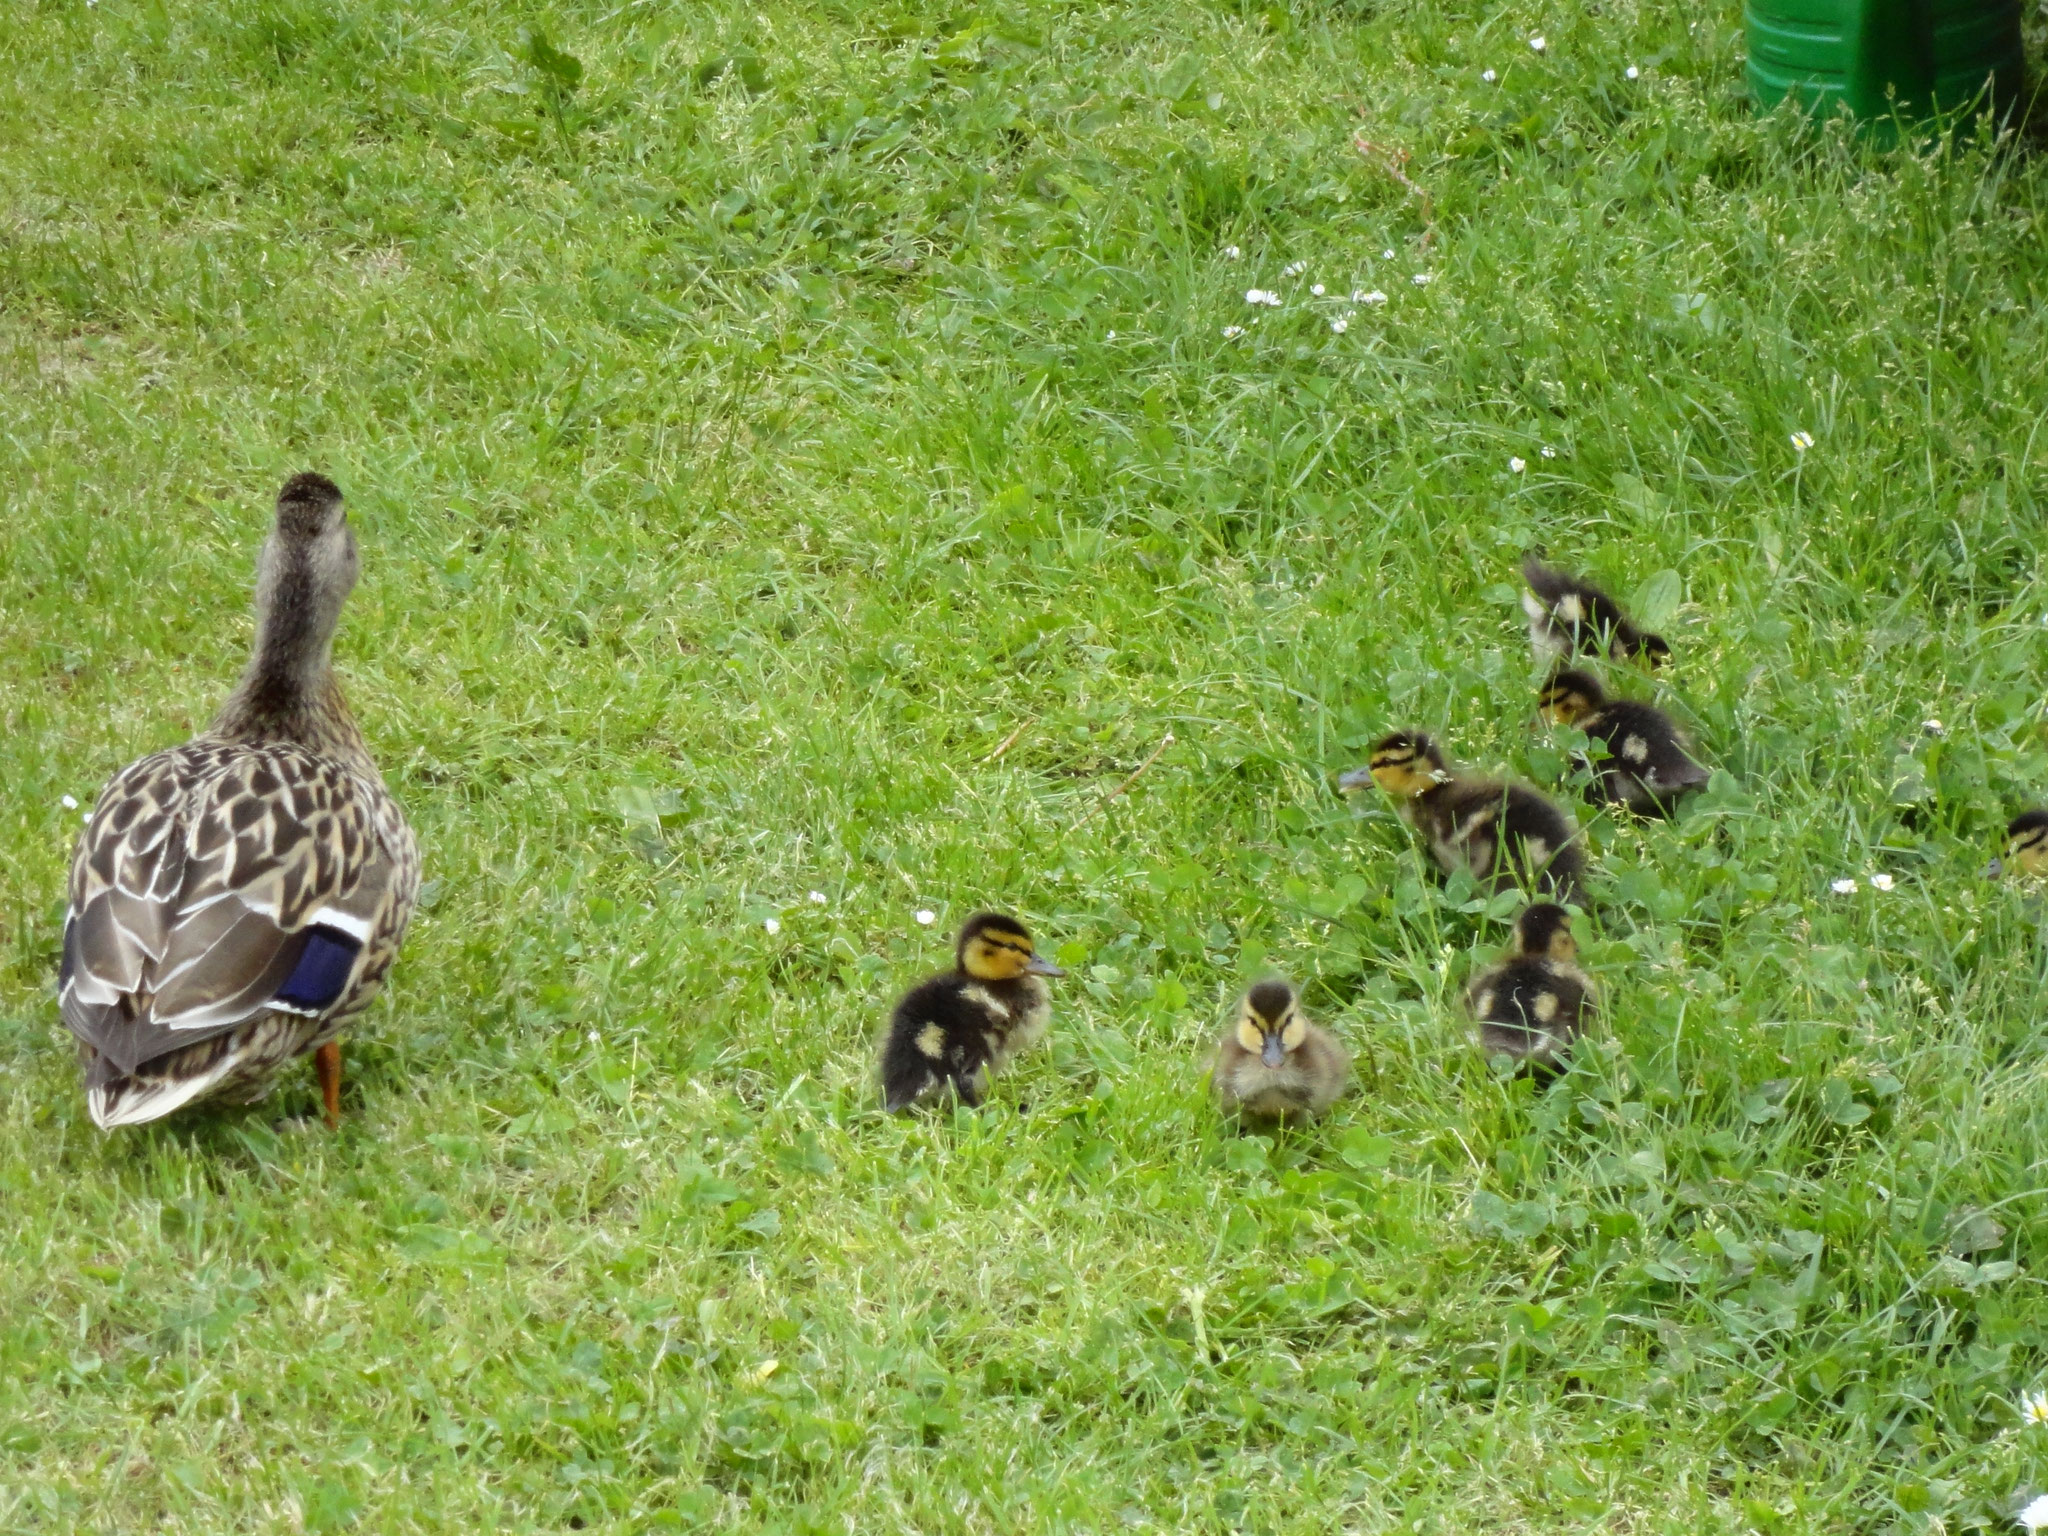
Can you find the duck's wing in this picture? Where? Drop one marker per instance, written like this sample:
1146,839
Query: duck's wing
214,882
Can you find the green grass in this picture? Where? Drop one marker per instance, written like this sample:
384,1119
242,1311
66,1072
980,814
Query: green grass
751,435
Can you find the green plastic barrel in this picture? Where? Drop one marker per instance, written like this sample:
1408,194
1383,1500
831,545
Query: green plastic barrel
1874,55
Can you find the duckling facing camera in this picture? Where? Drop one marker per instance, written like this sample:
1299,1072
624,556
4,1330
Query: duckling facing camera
1275,1067
1568,616
1534,1004
2026,843
958,1029
1497,832
1648,768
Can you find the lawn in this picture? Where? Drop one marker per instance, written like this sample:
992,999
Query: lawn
807,458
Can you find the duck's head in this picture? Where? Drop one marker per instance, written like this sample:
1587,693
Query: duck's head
2026,842
312,531
1404,764
1544,931
309,567
1569,697
993,947
1269,1022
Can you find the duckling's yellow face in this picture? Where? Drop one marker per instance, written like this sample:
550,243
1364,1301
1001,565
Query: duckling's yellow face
1562,945
1562,704
1403,773
1271,1040
995,953
2028,849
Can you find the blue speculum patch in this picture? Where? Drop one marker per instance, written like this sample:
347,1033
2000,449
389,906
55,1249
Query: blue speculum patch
323,969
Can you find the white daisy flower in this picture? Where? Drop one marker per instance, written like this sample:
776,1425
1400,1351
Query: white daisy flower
926,917
1232,332
1294,269
1265,296
1386,255
1340,325
1376,297
69,802
1488,76
1516,466
817,898
1802,441
1549,452
1881,881
1934,727
2035,1516
1538,43
772,924
1231,253
1316,289
1423,279
2034,1408
1843,887
85,815
593,1037
1110,337
1633,73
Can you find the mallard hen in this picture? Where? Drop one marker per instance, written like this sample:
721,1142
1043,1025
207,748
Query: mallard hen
237,900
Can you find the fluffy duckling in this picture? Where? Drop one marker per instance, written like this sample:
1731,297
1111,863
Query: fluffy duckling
961,1027
1534,1004
1648,768
1568,614
1495,831
237,901
1275,1066
2026,843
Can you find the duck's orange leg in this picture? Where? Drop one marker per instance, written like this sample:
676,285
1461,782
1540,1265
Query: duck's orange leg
327,1062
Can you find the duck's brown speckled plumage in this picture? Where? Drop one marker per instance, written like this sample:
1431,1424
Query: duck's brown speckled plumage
209,871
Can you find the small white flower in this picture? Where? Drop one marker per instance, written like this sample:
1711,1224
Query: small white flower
772,924
69,802
1802,441
1265,296
1633,73
1934,727
593,1037
817,898
1516,466
1538,43
1386,255
1231,253
2034,1408
1316,289
85,815
1422,279
1376,297
1340,325
926,917
1110,337
2035,1516
1488,76
1232,332
1549,452
1880,881
1843,887
1294,269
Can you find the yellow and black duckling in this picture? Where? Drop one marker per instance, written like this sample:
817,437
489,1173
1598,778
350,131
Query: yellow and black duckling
236,901
1535,1003
1497,832
2026,844
1648,768
1568,615
1274,1066
959,1028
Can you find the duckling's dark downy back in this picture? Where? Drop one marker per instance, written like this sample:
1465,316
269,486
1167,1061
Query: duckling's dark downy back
1568,615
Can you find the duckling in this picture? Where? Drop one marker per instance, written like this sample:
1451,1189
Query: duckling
236,901
1494,831
1534,1004
2026,843
1568,614
963,1026
1648,768
1275,1066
